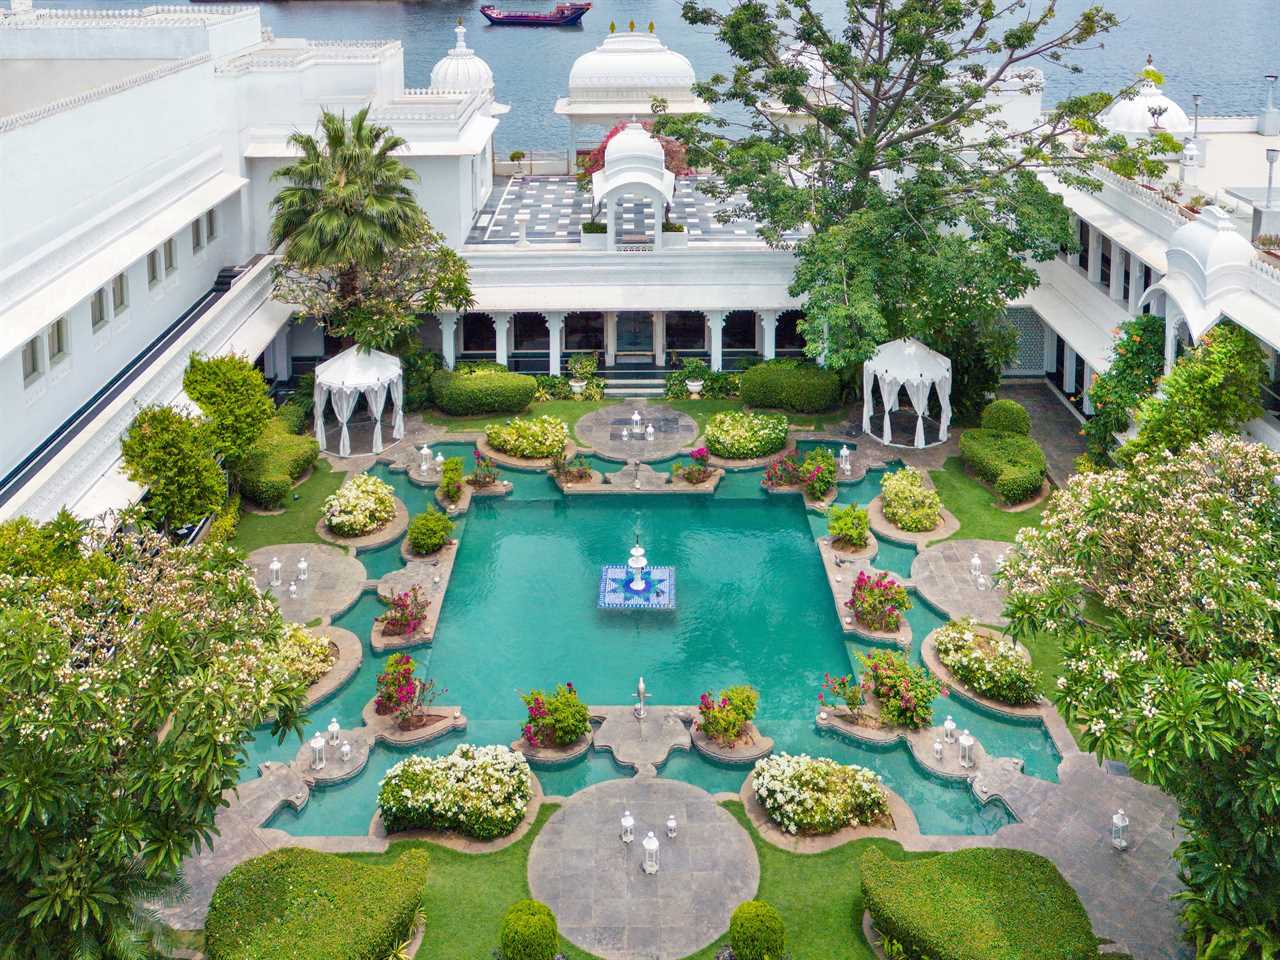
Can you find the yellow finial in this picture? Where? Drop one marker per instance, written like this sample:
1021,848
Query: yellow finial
459,21
651,26
613,27
632,26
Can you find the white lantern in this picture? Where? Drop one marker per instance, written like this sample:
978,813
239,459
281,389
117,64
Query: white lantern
293,588
822,714
975,566
426,457
845,465
635,421
650,853
648,432
317,752
937,749
966,749
302,568
625,432
1120,831
334,730
628,826
439,461
275,567
671,825
949,730
345,752
999,562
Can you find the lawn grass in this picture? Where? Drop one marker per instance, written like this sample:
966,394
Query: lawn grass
298,522
570,411
975,506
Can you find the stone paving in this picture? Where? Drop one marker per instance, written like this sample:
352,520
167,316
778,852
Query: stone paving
941,574
642,744
334,579
602,431
604,902
1053,426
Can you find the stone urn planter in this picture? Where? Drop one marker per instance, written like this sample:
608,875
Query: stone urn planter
593,241
694,387
577,386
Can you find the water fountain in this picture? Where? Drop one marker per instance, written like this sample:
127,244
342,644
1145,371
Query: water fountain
635,585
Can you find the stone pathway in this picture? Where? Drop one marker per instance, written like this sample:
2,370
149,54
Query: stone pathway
602,431
642,744
1053,426
602,899
942,575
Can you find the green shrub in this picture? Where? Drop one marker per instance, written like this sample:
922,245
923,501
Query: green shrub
593,226
756,932
819,468
905,692
556,719
530,438
1012,463
788,385
222,528
737,435
292,416
548,387
230,392
979,904
1007,415
715,386
724,720
817,795
451,479
529,932
907,503
419,367
170,455
470,391
272,465
307,905
848,525
1137,360
429,531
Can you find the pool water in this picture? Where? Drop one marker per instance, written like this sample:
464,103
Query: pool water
521,613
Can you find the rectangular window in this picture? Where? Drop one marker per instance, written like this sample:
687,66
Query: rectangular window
170,256
31,361
98,309
211,226
119,294
197,236
153,268
57,339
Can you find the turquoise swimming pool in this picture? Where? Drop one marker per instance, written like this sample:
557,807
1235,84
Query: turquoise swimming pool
754,607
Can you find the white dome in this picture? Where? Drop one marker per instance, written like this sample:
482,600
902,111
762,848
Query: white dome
631,63
634,147
1212,253
1133,117
460,70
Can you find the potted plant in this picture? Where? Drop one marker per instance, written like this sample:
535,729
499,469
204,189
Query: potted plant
1269,243
593,235
582,367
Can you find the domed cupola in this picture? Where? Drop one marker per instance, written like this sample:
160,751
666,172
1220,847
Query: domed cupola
460,70
1146,112
634,148
631,65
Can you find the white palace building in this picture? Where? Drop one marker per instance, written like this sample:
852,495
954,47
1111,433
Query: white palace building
137,146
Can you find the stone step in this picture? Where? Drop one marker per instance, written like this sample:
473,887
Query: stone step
635,382
632,391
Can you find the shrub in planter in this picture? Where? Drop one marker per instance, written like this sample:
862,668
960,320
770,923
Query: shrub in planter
878,602
848,526
789,385
451,479
737,435
817,795
485,473
724,720
307,905
469,391
556,719
907,503
535,438
819,470
405,613
697,472
784,471
395,684
360,506
594,226
275,462
577,470
1010,462
992,666
311,655
481,792
1007,416
529,932
429,531
715,386
845,688
756,932
905,693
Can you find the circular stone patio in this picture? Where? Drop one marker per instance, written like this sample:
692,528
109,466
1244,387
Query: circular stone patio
604,902
942,575
602,431
334,579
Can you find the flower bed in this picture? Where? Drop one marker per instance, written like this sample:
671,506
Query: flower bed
485,473
536,438
878,602
725,720
907,503
429,531
556,719
848,526
988,665
842,687
481,792
309,655
405,613
360,506
905,693
577,470
697,472
816,795
403,694
816,472
737,435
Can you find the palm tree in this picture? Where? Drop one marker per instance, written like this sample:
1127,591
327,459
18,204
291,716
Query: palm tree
347,203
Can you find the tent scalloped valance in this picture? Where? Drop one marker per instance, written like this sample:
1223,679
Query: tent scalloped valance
907,363
342,379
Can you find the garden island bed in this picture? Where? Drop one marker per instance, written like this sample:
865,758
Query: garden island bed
882,527
346,661
389,532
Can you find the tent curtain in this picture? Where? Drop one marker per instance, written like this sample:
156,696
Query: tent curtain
944,396
888,393
397,401
344,402
918,391
319,394
868,379
376,396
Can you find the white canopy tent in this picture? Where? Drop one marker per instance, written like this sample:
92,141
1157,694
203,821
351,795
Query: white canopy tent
342,379
907,363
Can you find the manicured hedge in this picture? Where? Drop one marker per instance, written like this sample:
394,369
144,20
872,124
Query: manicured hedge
756,932
529,932
307,905
1012,463
1007,415
463,393
787,385
292,415
274,462
429,531
979,904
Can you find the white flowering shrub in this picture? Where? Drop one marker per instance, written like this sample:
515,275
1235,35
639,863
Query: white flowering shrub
532,438
361,505
991,666
478,791
306,654
738,435
804,794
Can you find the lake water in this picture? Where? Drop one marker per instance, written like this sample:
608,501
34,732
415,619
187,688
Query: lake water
1219,50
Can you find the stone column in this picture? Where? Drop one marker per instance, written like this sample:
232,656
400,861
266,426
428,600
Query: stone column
448,338
769,328
1068,369
717,354
1136,271
1050,349
1084,390
283,366
1095,255
660,338
1075,236
501,330
1118,255
1170,341
610,338
555,327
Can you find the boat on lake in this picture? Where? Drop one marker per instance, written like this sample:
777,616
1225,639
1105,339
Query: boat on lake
561,15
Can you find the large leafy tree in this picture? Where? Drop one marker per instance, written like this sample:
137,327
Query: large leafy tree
1182,680
170,454
879,141
232,394
132,674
